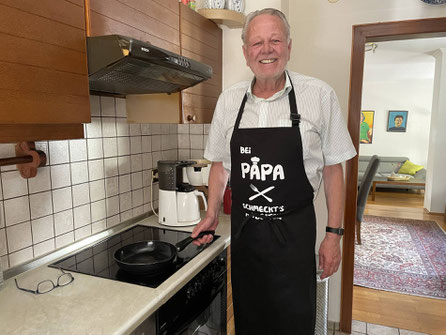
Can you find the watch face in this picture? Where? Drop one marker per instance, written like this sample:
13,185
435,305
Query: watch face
435,2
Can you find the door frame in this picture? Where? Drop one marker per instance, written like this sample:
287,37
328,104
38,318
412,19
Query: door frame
375,32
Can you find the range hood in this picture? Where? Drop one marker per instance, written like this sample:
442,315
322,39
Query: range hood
120,65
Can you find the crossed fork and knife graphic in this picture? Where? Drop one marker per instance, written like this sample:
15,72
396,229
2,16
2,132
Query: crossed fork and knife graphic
261,193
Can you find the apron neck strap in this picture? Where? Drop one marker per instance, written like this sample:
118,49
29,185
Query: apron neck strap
294,115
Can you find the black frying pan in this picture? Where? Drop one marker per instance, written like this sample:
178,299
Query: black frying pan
151,257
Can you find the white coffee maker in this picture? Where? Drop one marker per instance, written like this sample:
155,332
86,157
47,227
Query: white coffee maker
178,201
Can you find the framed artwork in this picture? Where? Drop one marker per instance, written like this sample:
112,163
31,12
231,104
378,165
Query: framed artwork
366,130
397,121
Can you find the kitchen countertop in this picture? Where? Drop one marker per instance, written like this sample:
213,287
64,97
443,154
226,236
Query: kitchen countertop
93,305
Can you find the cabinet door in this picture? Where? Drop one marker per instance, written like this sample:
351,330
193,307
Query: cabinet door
43,69
154,21
201,40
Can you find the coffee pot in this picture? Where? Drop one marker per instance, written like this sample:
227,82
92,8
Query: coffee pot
178,201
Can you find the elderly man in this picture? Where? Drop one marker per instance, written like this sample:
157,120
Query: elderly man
278,136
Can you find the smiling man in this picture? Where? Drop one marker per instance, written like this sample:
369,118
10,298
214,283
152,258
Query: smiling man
277,137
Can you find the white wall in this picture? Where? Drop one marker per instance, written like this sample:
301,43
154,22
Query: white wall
398,79
322,38
411,95
435,195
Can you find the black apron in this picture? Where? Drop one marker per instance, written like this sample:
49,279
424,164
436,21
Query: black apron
273,231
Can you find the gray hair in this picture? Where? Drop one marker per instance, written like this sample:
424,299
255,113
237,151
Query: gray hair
268,11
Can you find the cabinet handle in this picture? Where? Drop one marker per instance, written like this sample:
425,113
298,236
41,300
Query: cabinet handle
191,118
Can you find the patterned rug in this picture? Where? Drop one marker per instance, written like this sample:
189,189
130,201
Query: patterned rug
402,255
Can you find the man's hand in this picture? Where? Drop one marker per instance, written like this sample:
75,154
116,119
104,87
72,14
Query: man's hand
329,255
208,223
330,250
218,178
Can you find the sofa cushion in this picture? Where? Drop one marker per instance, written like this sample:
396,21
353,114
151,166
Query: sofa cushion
410,168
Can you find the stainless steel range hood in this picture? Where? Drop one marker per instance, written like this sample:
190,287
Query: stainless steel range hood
120,65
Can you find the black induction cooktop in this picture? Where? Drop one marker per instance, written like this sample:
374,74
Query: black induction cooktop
98,260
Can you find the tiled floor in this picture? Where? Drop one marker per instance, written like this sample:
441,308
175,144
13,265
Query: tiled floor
361,328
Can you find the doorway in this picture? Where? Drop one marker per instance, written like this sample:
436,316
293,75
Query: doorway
362,34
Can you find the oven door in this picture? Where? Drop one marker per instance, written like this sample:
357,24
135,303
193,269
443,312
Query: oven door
201,312
211,320
198,308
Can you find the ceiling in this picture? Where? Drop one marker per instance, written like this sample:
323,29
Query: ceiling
403,59
405,50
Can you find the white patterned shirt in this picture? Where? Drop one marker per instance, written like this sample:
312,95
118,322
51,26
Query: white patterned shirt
325,139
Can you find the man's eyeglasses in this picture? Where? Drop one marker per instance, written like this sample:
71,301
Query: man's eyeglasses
48,285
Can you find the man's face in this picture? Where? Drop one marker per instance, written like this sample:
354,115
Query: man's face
398,121
266,50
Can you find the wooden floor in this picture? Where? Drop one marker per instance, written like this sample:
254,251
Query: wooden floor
393,309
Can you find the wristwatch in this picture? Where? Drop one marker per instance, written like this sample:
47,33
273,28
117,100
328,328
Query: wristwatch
339,231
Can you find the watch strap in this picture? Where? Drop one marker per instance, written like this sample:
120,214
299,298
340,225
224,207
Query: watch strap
338,231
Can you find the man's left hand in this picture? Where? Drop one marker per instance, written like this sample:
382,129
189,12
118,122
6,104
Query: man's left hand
329,255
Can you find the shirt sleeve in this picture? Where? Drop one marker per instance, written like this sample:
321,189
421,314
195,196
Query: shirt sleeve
336,142
215,149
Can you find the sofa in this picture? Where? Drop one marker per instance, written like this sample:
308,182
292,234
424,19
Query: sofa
388,166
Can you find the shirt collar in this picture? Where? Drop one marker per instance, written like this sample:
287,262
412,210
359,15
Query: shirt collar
286,89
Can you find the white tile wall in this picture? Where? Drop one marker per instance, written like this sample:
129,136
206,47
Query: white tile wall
81,194
40,204
108,106
16,210
95,105
60,175
78,150
82,216
94,148
63,222
42,229
19,236
111,167
96,169
59,152
3,249
13,185
43,247
41,182
110,147
97,190
88,184
79,172
109,127
65,239
62,199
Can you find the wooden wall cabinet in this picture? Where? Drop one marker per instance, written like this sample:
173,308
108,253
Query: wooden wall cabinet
44,91
172,26
152,21
201,40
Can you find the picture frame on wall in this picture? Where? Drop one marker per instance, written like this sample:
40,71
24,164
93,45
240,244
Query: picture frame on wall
397,121
366,127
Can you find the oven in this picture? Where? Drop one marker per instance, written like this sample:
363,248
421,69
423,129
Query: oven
199,307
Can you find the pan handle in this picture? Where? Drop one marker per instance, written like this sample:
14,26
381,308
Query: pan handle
184,243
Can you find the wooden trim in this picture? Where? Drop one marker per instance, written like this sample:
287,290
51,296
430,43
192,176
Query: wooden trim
229,18
87,18
433,213
40,132
180,98
385,31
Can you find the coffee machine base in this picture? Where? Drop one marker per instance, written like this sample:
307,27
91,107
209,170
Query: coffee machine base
174,206
180,224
